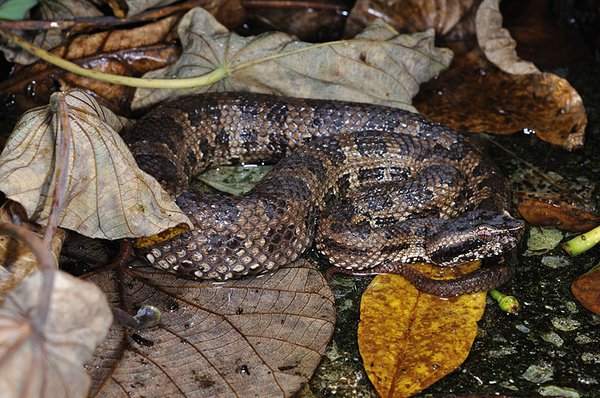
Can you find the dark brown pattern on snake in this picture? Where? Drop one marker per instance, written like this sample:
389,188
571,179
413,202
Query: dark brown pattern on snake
382,187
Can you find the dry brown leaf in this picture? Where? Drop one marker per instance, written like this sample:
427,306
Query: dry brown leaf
54,10
130,52
409,15
47,360
276,63
134,7
259,337
408,339
16,259
560,215
108,196
586,290
473,95
496,42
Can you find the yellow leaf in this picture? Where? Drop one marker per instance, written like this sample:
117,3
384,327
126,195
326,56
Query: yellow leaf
408,339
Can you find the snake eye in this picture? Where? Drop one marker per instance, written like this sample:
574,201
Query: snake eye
484,233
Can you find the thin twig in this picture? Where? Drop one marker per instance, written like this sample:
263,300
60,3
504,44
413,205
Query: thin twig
100,22
59,107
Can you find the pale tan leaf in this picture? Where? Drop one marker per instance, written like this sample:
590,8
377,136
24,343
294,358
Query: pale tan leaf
108,196
47,360
259,337
497,43
134,7
277,63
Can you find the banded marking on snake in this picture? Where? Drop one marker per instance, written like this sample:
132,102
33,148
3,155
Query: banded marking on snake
378,188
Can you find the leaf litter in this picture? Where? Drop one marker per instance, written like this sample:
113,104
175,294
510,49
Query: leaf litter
142,340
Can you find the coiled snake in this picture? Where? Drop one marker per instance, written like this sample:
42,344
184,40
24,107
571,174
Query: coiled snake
379,187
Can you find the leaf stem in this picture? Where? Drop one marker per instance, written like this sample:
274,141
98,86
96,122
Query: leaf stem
209,78
506,303
582,243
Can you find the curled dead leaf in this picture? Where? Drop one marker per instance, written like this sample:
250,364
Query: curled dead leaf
261,337
277,63
408,339
496,42
560,215
108,196
46,360
586,290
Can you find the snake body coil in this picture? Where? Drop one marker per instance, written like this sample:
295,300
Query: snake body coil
381,187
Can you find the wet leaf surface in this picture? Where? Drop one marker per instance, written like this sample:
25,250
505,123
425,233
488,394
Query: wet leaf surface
475,96
408,339
562,216
254,337
130,52
586,289
409,16
277,63
108,196
46,359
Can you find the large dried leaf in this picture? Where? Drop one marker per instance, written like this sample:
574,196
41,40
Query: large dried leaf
134,7
560,215
408,339
409,15
108,196
259,337
473,95
586,290
129,52
497,43
46,360
276,63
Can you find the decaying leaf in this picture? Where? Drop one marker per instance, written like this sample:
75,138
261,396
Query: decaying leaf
474,96
562,216
108,196
133,7
497,43
130,52
276,63
586,290
408,339
409,15
54,10
259,337
46,360
16,259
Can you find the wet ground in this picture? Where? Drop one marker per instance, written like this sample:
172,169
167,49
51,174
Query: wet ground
552,347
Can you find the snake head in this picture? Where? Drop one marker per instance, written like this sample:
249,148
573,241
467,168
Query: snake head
474,235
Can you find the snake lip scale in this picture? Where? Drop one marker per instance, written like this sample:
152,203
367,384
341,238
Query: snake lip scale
377,188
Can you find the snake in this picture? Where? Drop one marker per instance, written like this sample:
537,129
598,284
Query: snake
373,189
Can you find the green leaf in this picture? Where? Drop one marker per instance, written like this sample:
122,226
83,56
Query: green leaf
16,9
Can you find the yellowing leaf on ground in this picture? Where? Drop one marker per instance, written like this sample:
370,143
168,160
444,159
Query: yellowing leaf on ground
408,339
279,64
108,196
255,337
46,359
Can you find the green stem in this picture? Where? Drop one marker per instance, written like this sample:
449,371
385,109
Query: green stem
209,78
507,303
583,242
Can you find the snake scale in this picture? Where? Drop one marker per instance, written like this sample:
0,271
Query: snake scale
377,188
